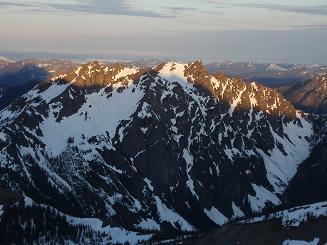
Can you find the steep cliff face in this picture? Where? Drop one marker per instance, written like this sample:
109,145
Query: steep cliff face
164,148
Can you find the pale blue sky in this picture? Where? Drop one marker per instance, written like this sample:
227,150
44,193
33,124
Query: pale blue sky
291,31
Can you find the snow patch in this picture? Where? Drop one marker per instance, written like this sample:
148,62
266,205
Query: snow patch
28,201
126,72
237,211
53,91
216,216
275,67
295,216
236,102
300,242
1,211
281,168
189,164
119,235
148,224
145,112
258,202
148,182
173,72
166,214
106,114
2,137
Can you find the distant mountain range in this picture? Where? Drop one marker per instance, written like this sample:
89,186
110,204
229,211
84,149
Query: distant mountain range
309,96
271,75
17,78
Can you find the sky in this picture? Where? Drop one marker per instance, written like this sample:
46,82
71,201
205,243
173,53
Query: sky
290,31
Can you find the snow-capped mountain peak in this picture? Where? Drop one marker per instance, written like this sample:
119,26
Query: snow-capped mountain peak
149,147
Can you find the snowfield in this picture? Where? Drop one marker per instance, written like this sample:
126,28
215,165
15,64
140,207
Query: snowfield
294,216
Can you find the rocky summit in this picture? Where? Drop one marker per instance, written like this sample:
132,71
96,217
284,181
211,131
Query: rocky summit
119,149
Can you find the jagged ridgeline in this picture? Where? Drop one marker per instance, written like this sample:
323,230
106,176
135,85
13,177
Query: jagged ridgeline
169,148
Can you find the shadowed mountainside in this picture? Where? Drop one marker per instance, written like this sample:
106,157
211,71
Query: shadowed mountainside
309,96
169,149
17,78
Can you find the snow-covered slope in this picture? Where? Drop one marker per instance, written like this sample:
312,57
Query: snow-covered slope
23,215
299,225
294,216
167,148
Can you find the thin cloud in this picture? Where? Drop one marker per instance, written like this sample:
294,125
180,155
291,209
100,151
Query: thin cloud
314,10
13,4
110,7
311,27
178,10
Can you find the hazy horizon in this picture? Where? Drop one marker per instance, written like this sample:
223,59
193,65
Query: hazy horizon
15,56
214,30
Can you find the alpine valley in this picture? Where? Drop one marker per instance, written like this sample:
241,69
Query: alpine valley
117,153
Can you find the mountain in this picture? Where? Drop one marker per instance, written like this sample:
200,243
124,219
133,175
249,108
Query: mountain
168,149
303,85
309,185
298,225
17,78
309,96
8,94
57,227
5,60
19,72
271,75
